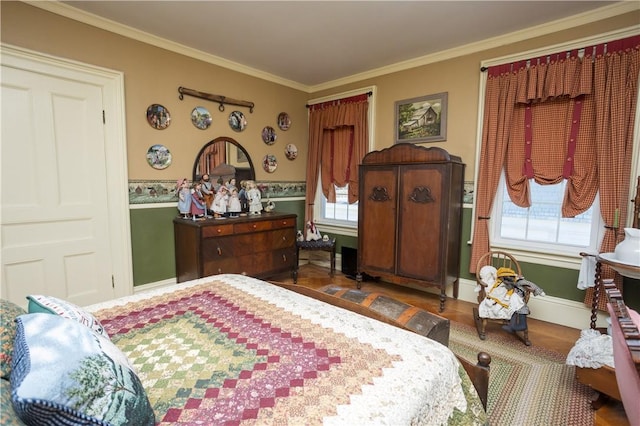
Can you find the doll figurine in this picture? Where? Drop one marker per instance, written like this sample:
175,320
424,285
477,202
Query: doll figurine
207,192
184,198
198,206
254,196
220,202
242,195
234,203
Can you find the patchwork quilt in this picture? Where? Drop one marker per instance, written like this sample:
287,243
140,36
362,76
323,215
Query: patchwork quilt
234,350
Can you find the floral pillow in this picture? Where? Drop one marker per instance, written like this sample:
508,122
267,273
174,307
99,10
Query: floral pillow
8,313
53,305
64,373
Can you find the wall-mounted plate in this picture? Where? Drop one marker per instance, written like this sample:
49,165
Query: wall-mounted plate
284,122
158,117
237,121
201,118
269,163
159,157
269,135
291,151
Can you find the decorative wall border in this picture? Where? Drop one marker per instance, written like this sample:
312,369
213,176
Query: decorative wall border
147,191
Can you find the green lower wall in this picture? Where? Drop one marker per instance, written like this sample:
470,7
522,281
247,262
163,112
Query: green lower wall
153,253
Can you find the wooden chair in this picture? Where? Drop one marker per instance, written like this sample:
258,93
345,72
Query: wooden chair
497,259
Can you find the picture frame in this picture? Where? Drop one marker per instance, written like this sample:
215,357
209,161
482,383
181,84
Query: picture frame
421,119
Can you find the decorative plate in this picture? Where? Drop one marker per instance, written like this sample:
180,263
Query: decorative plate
269,135
291,151
237,121
284,122
201,118
158,117
269,163
159,157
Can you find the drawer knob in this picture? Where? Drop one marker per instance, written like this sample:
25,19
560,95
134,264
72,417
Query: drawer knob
284,257
284,238
219,230
219,251
254,226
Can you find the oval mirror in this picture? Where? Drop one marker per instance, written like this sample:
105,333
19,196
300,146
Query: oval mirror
222,159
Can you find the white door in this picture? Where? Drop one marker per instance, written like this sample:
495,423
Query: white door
56,230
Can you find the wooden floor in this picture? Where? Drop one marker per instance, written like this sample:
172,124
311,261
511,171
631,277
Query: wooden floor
547,335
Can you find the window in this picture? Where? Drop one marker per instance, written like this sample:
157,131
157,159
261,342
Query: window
341,210
541,227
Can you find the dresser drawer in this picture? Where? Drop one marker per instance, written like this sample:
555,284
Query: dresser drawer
242,228
218,248
282,238
284,223
217,231
227,265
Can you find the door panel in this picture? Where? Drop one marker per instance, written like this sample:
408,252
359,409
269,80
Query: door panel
378,197
55,225
420,223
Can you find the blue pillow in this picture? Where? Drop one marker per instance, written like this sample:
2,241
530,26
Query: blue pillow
63,373
53,305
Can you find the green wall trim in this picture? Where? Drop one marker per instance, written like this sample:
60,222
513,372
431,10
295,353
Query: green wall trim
154,260
152,244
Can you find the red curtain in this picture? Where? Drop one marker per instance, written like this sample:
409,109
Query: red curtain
560,117
338,136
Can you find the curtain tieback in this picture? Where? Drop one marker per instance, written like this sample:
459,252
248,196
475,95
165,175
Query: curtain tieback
573,137
484,217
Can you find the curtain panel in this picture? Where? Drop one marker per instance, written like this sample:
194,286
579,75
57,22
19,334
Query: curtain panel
338,136
561,116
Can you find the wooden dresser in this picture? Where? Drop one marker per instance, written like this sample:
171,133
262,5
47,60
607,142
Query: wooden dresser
410,217
258,246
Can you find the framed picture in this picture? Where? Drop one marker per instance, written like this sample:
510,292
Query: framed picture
422,119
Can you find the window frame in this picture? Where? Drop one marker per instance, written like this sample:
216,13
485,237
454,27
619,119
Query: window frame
337,226
559,249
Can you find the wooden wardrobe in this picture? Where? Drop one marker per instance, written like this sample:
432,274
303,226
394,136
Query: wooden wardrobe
410,217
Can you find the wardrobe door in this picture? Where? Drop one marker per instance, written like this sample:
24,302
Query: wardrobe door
421,225
377,219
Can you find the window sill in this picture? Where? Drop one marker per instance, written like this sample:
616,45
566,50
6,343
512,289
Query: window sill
337,228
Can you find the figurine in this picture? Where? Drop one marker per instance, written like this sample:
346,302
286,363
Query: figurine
220,202
234,202
198,208
231,183
242,195
312,232
299,236
207,192
255,198
270,206
184,197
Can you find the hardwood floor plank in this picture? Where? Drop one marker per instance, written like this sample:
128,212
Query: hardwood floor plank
541,333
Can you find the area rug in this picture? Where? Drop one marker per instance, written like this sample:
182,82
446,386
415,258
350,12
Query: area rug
528,385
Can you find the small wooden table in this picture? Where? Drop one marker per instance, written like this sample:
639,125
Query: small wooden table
329,246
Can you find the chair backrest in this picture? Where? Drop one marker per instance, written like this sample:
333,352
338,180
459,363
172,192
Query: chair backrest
498,259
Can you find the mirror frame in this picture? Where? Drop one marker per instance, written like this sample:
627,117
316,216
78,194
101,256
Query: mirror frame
196,176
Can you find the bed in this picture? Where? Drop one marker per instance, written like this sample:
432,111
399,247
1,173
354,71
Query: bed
235,350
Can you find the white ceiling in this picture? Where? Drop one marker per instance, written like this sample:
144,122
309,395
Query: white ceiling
313,43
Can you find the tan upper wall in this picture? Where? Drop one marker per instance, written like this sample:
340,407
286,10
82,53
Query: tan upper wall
460,77
153,75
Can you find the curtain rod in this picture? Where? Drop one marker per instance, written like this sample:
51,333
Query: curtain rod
369,93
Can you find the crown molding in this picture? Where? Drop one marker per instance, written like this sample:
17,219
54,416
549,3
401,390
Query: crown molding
71,12
490,43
